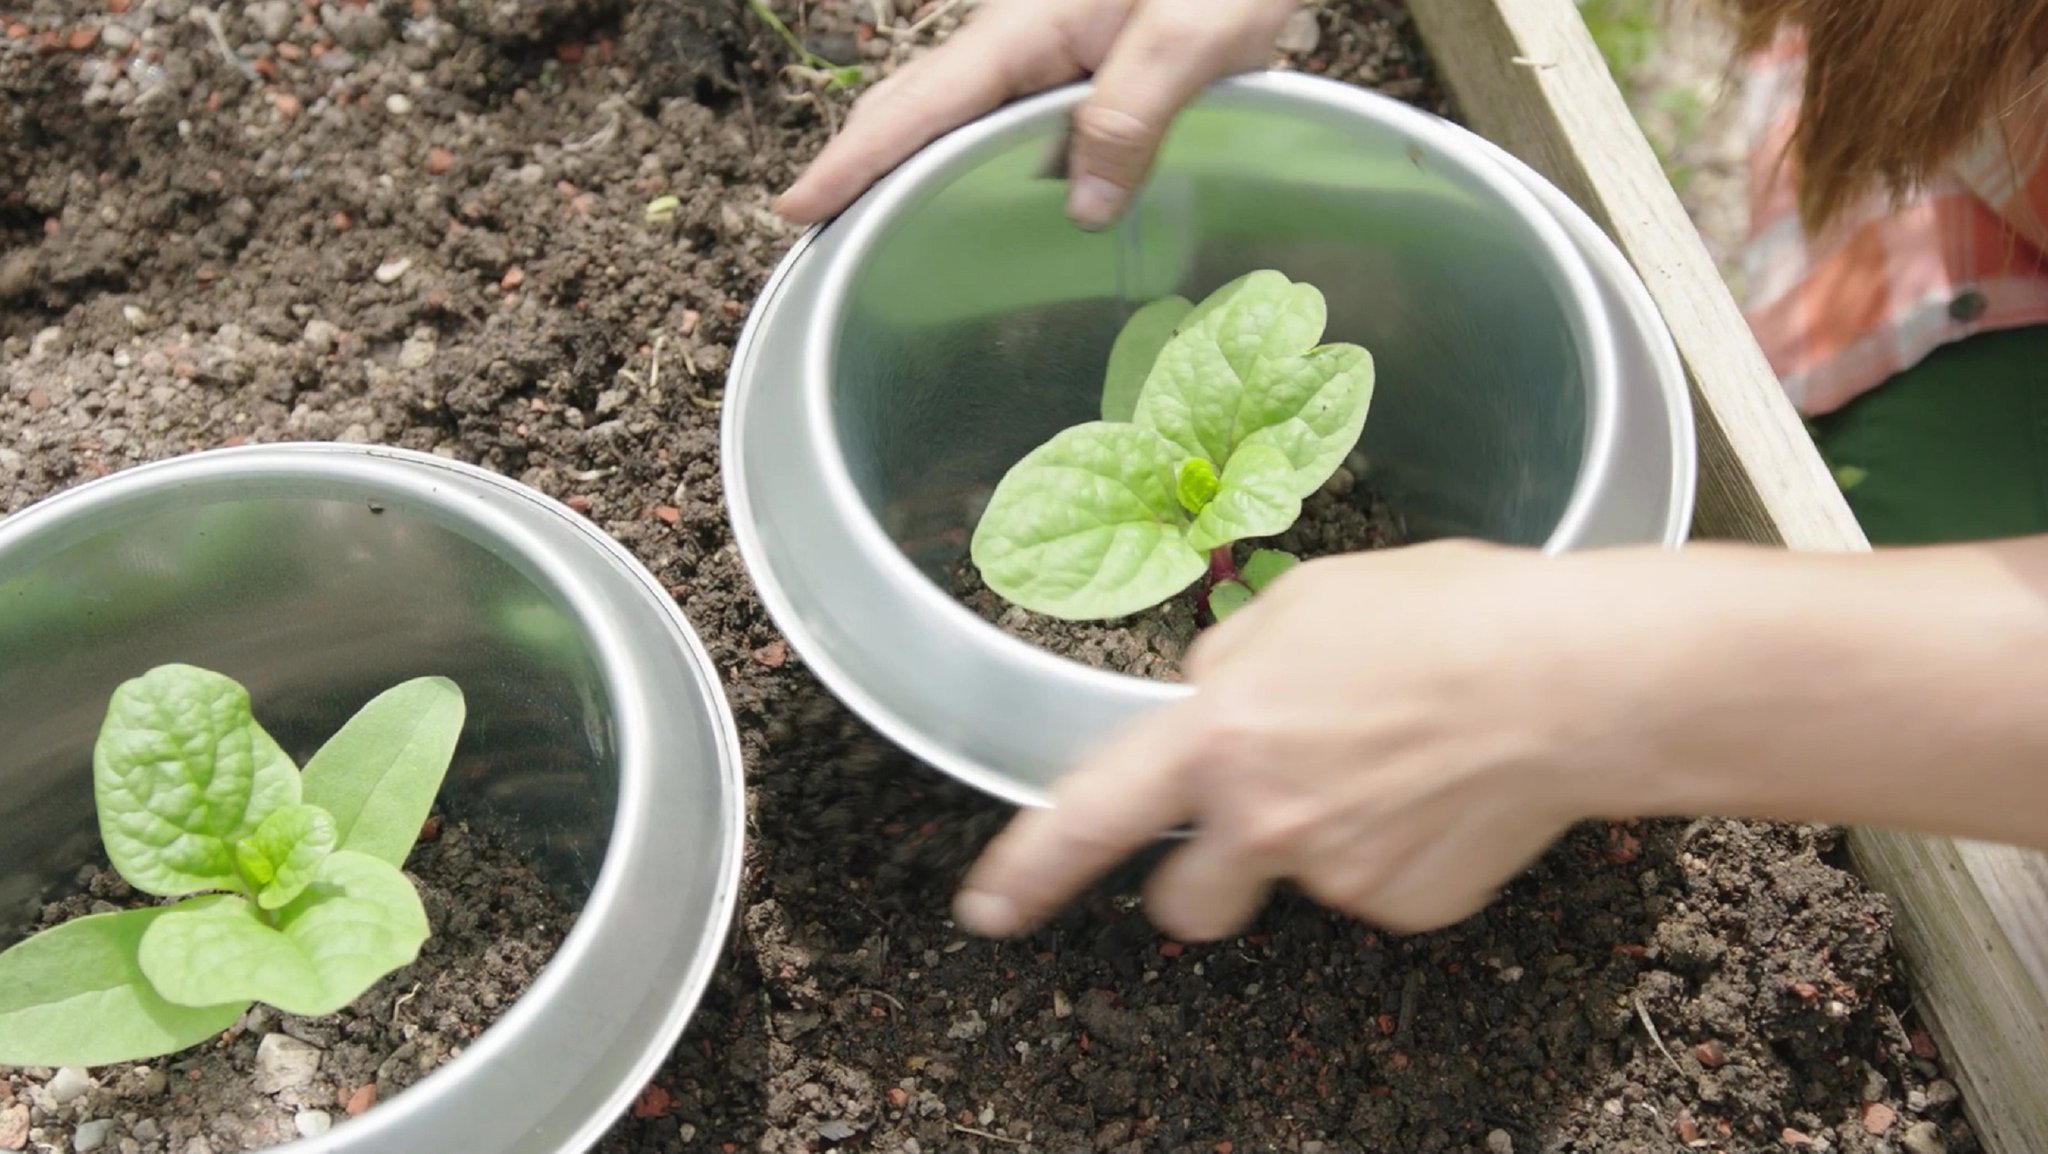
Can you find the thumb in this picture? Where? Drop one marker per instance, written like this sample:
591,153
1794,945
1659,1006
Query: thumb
1168,51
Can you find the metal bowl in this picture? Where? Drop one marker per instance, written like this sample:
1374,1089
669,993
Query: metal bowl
598,744
908,352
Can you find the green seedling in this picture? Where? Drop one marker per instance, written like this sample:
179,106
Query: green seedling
291,883
1218,418
836,76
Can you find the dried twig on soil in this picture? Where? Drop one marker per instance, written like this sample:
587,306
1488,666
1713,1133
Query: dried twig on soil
960,1129
1643,1015
889,998
1411,992
399,1002
923,22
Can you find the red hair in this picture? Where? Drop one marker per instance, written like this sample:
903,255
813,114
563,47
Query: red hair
1895,87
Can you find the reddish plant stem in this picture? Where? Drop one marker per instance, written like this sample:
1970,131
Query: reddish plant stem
1222,567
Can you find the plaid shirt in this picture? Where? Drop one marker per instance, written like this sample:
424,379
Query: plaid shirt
1891,281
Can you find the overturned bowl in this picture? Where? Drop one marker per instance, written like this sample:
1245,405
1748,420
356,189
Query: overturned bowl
908,352
598,744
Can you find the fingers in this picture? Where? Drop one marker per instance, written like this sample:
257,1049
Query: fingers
1460,873
1007,51
1206,890
1166,53
1119,800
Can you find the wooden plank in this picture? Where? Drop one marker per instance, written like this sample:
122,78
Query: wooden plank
1972,919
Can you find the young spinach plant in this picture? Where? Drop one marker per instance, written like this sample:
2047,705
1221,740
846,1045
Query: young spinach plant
291,883
1218,418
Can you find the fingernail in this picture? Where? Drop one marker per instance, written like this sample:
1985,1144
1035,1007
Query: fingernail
989,915
1093,202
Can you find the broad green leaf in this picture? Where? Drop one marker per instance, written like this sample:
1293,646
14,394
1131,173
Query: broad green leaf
1087,526
1250,365
74,995
1265,317
359,920
1221,296
379,774
1137,346
1227,598
1311,407
182,772
280,857
1265,566
1256,499
1196,484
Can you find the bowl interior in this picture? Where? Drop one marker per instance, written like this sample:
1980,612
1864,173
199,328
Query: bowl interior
314,602
978,320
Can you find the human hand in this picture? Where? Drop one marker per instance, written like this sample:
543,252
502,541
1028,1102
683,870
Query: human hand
1398,733
1148,57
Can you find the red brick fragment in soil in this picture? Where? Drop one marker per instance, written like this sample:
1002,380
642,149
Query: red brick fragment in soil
1711,1054
772,654
1794,1138
364,1098
439,161
653,1102
1878,1118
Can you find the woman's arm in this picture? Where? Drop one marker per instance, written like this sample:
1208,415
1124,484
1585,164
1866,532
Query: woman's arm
1400,733
1904,688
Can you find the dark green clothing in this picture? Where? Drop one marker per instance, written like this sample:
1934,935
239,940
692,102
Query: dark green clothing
1954,448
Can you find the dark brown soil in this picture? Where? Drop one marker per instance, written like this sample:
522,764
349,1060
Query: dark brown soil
1345,517
523,335
494,924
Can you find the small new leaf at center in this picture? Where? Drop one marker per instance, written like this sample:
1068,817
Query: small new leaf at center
1254,498
280,857
1196,484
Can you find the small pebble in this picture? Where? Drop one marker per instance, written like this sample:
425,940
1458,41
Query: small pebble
398,104
49,342
68,1085
91,1135
136,318
1301,33
14,1127
1924,1138
321,336
284,1063
272,18
416,353
391,270
312,1123
1500,1142
116,36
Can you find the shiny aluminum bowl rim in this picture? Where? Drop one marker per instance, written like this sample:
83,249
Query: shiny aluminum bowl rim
874,209
413,473
1683,422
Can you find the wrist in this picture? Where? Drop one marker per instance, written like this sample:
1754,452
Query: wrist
1841,688
1703,659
